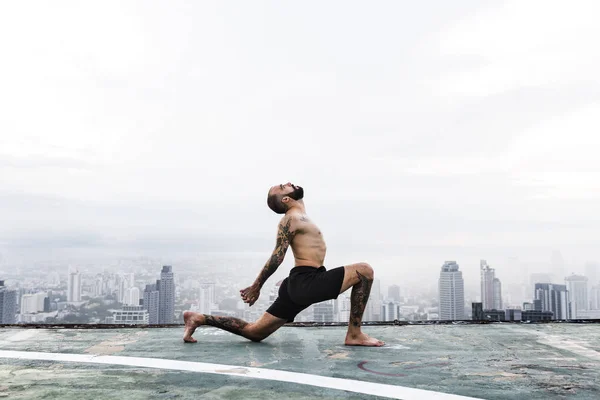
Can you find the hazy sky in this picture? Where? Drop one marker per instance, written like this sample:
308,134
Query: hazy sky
421,131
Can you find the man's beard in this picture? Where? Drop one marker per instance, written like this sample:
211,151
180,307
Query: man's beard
297,194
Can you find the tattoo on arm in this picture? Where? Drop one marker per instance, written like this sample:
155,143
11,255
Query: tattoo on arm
284,239
229,324
359,298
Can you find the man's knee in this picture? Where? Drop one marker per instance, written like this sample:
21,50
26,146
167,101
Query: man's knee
254,334
366,270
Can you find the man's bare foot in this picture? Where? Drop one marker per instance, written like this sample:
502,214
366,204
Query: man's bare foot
362,340
192,321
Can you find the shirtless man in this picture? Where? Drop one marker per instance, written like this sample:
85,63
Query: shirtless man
308,283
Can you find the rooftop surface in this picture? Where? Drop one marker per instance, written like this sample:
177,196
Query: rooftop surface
499,361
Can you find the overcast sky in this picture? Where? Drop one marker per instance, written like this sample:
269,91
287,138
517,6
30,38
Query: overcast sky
421,131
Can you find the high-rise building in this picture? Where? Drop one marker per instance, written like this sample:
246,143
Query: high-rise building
206,302
323,311
8,305
497,289
390,310
132,297
131,315
553,298
591,272
451,292
373,308
595,297
394,292
166,290
343,307
74,287
487,281
477,312
491,288
33,303
577,285
151,302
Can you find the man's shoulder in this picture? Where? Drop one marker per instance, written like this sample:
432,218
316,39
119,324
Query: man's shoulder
292,220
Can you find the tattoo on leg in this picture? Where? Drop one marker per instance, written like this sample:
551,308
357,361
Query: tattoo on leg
359,298
229,324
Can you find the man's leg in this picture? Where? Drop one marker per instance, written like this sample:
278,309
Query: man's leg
359,277
255,331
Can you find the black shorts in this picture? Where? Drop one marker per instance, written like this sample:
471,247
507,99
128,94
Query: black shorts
306,286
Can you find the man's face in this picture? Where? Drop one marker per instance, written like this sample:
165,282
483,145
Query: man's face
288,189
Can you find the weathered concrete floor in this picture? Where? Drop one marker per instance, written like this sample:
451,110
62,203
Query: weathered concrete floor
502,361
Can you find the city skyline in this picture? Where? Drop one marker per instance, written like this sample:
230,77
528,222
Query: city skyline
129,298
465,149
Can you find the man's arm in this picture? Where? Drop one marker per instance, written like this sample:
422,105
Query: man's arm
285,235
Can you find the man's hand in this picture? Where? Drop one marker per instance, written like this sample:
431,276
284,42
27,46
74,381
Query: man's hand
250,294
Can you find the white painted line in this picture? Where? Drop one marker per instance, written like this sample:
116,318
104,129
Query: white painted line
569,345
349,385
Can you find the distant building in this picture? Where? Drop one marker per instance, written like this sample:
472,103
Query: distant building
132,297
591,272
394,292
206,302
390,311
451,292
33,303
513,314
323,311
577,286
166,290
595,297
74,287
497,289
131,315
343,307
373,308
151,302
553,298
588,314
494,315
491,288
8,305
528,306
477,312
536,316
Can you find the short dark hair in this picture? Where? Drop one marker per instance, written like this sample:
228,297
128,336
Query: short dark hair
274,202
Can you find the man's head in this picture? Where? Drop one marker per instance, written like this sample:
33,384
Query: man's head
282,197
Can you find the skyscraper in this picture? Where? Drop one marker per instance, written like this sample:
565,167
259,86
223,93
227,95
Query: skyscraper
74,287
394,292
591,272
33,303
487,280
577,285
8,305
323,311
207,297
166,290
491,288
497,289
151,302
132,297
451,292
390,311
553,298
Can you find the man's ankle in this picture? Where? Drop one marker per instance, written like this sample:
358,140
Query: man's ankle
354,333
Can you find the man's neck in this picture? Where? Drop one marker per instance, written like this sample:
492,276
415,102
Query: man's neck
297,207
